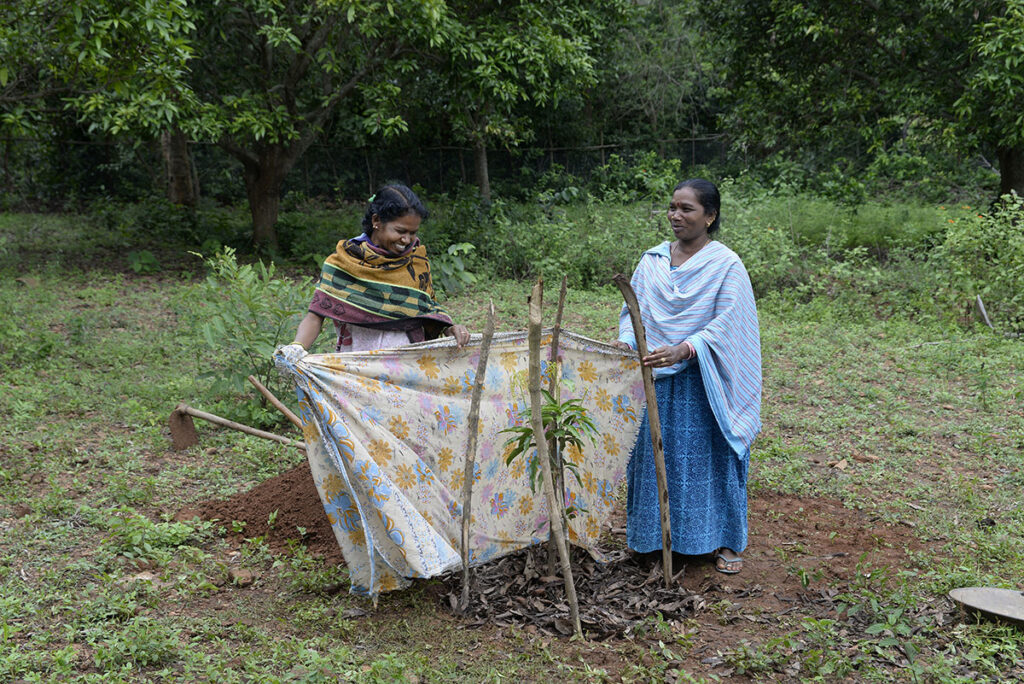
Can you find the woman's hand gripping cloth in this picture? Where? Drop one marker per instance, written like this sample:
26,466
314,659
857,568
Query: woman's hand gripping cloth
708,301
386,437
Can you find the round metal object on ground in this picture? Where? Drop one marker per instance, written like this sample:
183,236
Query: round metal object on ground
1007,604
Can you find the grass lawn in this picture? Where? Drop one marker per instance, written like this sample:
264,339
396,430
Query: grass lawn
890,470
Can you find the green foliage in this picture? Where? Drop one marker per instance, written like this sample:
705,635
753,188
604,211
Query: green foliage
984,255
829,83
993,97
646,176
121,63
566,424
142,642
492,58
587,243
143,262
135,536
150,221
246,313
307,237
450,271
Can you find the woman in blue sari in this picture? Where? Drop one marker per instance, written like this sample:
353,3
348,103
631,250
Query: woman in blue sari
698,312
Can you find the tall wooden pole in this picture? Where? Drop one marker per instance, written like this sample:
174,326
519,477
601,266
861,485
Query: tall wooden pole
555,506
655,422
473,426
553,385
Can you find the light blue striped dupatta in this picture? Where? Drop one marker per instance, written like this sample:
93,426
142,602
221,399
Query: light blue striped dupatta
709,302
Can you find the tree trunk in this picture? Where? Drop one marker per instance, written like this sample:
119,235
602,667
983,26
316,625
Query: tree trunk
263,180
181,188
1011,170
483,181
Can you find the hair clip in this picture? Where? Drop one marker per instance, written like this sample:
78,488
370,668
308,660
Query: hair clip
372,197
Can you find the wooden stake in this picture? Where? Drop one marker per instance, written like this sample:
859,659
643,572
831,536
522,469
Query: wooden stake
655,422
473,427
552,388
984,314
555,506
278,404
180,420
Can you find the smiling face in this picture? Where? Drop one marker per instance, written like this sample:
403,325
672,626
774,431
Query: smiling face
396,235
687,216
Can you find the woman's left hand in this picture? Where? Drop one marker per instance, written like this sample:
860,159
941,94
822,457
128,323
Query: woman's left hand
663,357
460,333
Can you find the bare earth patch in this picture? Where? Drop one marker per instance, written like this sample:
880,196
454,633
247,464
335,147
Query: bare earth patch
804,552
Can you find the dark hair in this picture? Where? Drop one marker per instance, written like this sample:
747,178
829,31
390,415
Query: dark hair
709,198
390,202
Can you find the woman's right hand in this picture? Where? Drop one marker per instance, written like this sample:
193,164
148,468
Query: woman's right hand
619,344
461,335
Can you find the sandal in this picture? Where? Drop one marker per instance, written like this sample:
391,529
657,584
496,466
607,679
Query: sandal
728,566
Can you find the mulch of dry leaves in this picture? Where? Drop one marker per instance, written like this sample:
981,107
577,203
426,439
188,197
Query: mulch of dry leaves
613,596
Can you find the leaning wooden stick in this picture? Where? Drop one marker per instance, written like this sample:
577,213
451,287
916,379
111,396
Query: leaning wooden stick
183,431
984,314
473,427
655,421
278,404
553,389
555,505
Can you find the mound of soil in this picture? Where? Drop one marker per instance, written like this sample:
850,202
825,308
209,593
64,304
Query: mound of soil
299,514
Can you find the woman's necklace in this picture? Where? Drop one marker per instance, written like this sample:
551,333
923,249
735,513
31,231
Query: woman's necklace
677,252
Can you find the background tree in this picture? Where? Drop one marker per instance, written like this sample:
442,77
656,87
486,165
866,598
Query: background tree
268,76
658,76
503,61
992,102
88,54
849,80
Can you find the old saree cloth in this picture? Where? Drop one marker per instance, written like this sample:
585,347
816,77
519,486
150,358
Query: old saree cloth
386,437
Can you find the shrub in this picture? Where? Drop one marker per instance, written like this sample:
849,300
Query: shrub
142,642
140,222
247,312
450,269
984,255
645,176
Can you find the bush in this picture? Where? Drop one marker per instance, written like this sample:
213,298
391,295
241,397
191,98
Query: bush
589,243
984,255
246,313
646,176
140,223
308,237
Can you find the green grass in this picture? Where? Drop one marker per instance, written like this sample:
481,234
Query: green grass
93,361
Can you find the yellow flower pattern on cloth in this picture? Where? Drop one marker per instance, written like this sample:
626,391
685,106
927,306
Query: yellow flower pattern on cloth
386,435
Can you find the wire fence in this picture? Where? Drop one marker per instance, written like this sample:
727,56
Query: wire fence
78,170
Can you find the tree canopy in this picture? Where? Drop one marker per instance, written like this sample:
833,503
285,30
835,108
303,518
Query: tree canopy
121,60
830,87
849,78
